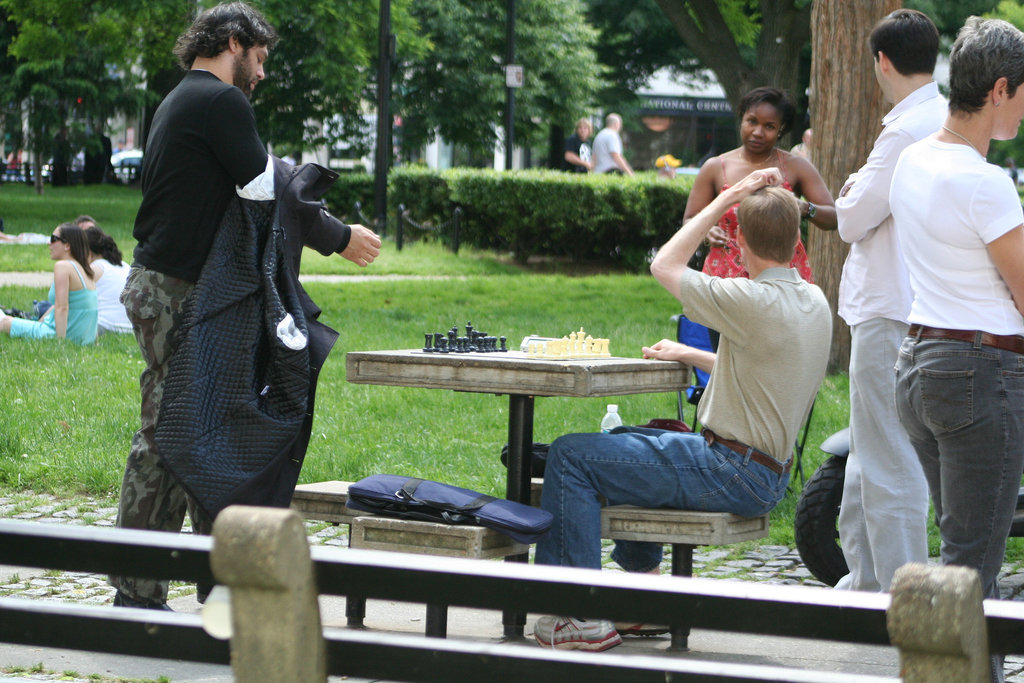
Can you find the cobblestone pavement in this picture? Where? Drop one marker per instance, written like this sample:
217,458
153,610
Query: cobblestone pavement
748,562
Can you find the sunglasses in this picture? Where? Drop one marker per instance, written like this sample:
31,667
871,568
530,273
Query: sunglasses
57,238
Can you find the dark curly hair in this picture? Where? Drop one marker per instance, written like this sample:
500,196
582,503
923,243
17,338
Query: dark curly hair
775,97
209,34
102,244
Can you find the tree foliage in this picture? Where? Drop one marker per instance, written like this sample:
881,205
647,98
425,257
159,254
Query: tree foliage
81,61
635,40
66,63
457,89
949,15
747,43
325,67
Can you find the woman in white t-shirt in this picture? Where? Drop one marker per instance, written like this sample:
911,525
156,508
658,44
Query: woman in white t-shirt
960,373
112,273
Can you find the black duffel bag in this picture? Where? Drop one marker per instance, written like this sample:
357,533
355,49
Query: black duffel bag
431,501
537,462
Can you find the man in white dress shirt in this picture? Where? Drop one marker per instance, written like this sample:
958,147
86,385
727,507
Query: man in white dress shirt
883,517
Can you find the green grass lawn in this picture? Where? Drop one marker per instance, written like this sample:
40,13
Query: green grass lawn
115,208
67,413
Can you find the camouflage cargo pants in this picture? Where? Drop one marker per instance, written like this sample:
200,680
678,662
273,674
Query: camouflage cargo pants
150,497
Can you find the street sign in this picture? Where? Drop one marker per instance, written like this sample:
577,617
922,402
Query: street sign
513,75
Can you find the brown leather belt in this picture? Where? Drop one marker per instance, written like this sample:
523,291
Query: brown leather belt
1004,342
742,449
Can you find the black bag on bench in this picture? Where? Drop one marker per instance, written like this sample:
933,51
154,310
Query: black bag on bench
430,501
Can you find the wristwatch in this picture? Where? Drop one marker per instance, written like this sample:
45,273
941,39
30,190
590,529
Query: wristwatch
811,210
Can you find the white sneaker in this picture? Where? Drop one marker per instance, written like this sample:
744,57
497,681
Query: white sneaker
566,633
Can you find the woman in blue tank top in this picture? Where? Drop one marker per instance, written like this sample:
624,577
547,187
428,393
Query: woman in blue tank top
73,314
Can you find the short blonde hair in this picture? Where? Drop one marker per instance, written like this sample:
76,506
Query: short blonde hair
770,220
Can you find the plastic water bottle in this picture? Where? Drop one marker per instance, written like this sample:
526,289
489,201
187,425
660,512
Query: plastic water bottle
611,419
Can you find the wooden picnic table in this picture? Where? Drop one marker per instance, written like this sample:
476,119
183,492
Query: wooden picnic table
522,378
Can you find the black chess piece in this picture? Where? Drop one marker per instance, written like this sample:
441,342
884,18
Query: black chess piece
442,345
427,343
503,347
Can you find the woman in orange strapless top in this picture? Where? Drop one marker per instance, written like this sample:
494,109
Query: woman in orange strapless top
767,114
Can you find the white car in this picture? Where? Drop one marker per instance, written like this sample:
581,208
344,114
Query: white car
127,165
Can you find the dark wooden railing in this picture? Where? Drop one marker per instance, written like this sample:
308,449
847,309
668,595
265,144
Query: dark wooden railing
784,611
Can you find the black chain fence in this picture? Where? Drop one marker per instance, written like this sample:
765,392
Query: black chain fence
448,230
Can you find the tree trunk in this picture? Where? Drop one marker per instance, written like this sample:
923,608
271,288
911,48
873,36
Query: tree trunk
846,111
785,30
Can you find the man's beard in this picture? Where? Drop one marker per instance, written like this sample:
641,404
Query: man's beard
241,74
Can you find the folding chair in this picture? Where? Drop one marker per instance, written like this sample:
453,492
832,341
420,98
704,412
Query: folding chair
696,335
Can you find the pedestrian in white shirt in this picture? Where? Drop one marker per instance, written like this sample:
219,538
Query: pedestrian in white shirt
884,512
607,154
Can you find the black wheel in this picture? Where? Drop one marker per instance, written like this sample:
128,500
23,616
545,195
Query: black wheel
817,513
1017,528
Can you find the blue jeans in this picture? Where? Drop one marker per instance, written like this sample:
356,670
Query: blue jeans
962,404
646,468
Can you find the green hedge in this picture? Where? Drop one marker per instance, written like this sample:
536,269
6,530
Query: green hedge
534,212
349,189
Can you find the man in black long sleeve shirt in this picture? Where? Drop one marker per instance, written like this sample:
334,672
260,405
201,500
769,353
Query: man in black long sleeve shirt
203,148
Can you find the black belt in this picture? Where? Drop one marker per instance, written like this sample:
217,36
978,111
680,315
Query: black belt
1004,342
743,449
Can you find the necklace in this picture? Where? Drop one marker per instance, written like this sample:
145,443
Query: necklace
953,132
769,158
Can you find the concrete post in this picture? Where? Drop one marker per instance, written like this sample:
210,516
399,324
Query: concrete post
262,555
937,620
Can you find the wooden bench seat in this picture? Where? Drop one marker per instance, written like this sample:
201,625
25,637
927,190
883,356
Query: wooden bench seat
684,530
430,538
371,532
687,527
325,501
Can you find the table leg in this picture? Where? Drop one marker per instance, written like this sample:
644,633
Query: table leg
682,565
517,487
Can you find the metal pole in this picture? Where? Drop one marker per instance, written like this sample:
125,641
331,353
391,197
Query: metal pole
383,155
510,93
400,227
